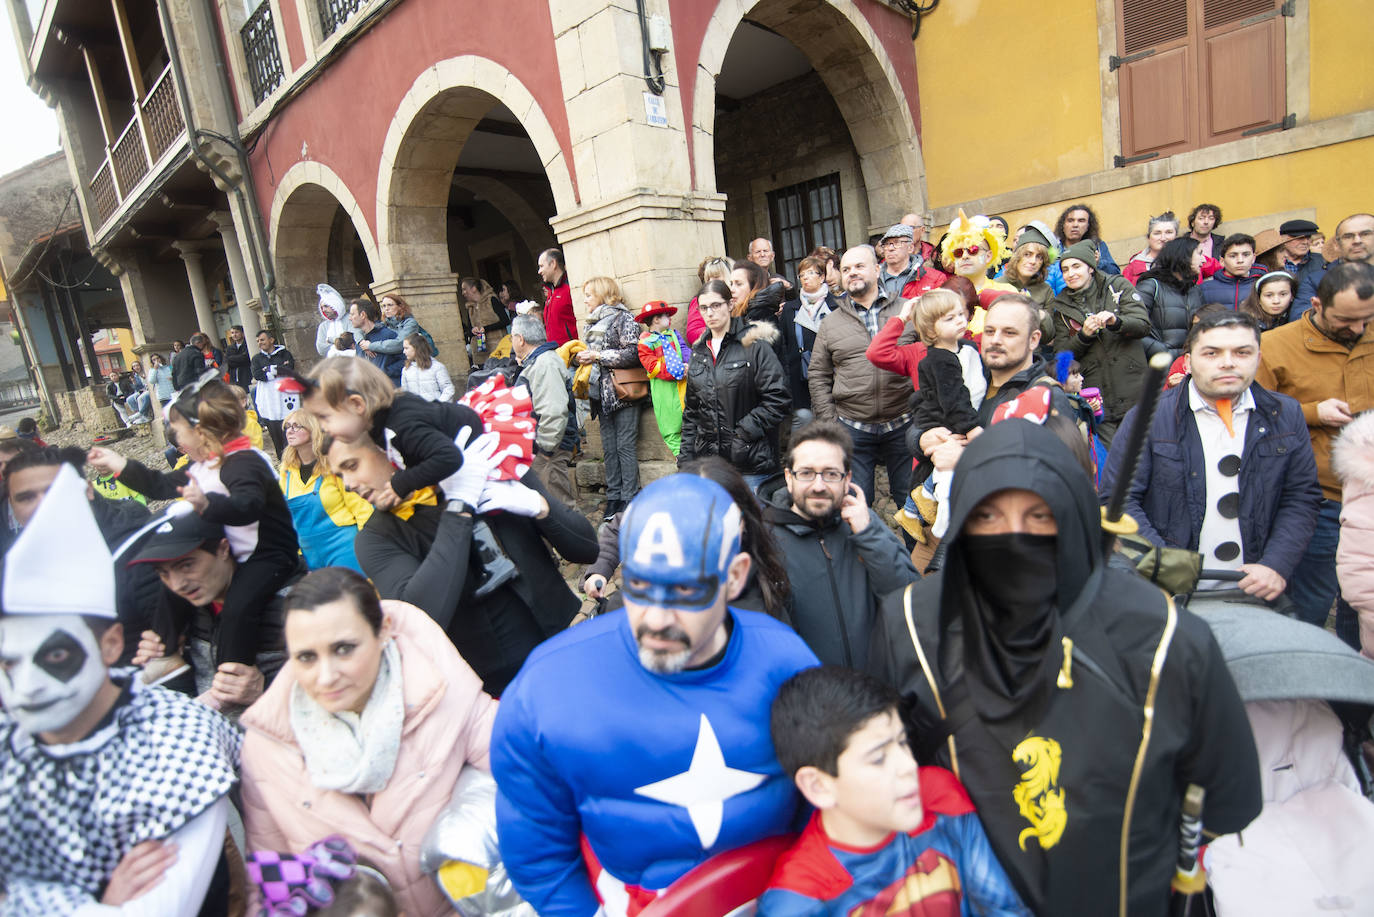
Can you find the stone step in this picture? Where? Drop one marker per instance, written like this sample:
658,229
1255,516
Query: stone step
592,473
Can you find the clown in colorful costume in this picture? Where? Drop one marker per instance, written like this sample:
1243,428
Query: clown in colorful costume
680,765
944,868
972,244
664,355
92,762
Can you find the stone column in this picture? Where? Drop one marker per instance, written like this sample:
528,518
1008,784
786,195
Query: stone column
238,275
200,293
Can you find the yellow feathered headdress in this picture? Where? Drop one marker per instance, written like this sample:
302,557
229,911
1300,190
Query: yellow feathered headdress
966,232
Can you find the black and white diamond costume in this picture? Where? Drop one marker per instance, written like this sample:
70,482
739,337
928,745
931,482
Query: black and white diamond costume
158,765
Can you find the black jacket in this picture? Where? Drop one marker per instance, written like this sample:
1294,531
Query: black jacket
837,576
799,341
422,433
238,363
1169,310
944,399
137,588
1128,699
736,399
1009,390
187,365
430,561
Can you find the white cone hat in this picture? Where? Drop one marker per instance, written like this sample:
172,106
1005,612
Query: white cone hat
60,564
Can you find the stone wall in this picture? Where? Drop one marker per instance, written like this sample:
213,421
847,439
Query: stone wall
786,134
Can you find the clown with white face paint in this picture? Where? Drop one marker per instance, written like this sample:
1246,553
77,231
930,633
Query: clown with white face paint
74,732
679,766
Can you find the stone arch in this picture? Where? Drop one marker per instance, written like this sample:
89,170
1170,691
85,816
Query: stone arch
303,211
855,67
422,147
533,229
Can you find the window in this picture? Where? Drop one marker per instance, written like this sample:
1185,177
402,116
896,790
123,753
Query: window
1194,73
805,216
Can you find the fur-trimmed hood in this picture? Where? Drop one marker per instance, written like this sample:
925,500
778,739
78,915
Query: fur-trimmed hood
1352,455
748,332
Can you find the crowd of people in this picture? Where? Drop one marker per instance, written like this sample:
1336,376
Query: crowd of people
278,693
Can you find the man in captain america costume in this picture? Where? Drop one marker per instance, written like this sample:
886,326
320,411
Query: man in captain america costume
679,766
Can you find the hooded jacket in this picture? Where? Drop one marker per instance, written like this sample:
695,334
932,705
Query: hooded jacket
1086,750
843,381
735,399
837,576
448,722
330,328
1353,460
1114,359
1230,291
273,404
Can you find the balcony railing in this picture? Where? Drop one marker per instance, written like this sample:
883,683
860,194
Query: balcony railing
261,52
154,129
334,13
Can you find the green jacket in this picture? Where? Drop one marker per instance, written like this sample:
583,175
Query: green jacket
1113,360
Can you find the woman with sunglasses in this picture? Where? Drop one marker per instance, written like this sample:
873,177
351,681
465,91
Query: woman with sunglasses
327,517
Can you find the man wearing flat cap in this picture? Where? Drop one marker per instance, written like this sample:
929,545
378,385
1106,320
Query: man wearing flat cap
904,274
1298,259
114,793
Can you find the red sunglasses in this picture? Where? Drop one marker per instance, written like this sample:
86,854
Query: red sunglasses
971,250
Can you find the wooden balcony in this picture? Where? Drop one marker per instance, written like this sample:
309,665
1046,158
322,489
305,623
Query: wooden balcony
156,127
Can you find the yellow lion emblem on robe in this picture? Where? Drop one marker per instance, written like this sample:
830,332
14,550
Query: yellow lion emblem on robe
1038,795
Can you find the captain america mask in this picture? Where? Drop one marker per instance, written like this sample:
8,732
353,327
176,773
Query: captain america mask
50,669
677,541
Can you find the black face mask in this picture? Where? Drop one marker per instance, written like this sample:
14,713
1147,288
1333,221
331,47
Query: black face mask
1018,575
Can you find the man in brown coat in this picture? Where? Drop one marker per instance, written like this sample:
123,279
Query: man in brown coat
871,402
1325,359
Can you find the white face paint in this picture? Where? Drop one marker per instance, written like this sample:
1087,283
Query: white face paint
50,669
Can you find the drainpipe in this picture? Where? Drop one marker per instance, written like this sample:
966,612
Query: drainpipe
262,268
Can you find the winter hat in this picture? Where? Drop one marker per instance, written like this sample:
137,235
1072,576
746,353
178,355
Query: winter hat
60,564
1084,250
654,307
1039,233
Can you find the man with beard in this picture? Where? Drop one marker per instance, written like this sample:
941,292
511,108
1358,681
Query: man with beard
841,558
1227,469
679,764
1073,700
1325,360
114,793
846,386
1011,335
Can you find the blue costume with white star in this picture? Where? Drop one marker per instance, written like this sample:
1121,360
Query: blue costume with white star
589,742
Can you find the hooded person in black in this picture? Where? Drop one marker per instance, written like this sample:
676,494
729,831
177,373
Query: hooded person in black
1074,701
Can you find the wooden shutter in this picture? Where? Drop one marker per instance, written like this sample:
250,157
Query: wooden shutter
1158,82
1198,72
1243,67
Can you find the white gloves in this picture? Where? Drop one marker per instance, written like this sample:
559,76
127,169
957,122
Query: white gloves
513,497
467,483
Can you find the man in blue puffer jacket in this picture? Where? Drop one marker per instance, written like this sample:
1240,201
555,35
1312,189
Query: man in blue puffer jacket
1228,469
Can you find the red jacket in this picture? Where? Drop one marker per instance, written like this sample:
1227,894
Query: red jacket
560,322
885,353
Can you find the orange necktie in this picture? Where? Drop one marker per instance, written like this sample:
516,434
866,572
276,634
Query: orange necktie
1224,412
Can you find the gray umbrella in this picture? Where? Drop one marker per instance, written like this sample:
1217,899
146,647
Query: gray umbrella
1273,657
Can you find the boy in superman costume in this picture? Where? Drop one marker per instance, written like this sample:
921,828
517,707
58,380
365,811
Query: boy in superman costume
664,355
887,838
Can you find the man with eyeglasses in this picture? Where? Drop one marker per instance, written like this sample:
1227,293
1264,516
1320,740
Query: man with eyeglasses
905,273
1228,470
841,558
1325,360
1351,243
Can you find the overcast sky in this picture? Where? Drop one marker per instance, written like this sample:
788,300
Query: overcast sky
30,127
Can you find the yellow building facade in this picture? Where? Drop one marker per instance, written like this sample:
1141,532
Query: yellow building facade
1021,116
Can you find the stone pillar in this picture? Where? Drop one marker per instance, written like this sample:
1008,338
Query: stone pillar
433,298
238,275
200,293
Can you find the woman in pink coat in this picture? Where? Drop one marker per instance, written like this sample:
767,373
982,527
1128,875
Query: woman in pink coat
1352,457
363,732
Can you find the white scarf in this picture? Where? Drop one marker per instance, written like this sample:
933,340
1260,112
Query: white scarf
348,752
812,309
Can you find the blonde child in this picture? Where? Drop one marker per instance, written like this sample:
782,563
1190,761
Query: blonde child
251,428
229,483
664,355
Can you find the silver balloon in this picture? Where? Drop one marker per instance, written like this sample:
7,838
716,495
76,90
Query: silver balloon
462,842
